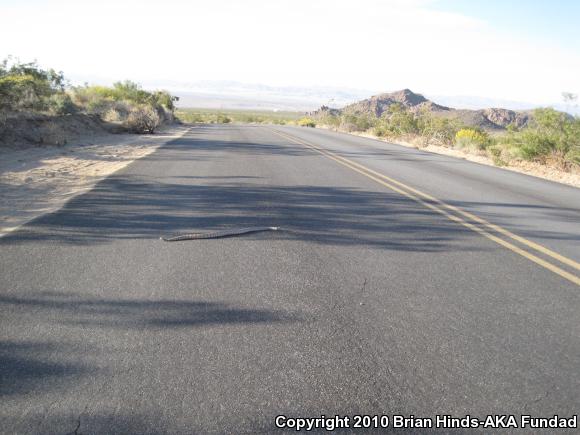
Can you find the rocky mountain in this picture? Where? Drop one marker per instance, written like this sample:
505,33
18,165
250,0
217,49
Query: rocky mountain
378,104
489,119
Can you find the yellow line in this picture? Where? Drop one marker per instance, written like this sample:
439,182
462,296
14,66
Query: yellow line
482,221
375,176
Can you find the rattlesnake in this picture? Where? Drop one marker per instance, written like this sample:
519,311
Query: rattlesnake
217,234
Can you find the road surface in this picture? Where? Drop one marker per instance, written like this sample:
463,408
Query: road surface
403,282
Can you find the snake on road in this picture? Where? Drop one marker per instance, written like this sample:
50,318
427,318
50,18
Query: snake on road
218,234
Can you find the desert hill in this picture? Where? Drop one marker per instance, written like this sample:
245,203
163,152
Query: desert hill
489,119
378,104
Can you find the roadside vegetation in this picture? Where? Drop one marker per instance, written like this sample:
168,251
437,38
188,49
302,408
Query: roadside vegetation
26,89
216,116
306,122
552,137
140,111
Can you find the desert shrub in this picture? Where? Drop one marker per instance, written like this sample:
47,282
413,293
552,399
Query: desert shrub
532,144
130,91
306,122
380,131
117,112
250,118
497,154
193,117
142,119
165,99
84,94
26,86
133,92
21,92
551,135
348,126
112,115
236,116
61,104
472,138
105,101
437,129
398,121
330,120
573,156
223,119
140,111
356,122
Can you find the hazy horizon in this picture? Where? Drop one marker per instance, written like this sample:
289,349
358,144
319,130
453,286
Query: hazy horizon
233,94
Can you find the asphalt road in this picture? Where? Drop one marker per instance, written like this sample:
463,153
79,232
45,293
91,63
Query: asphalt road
371,301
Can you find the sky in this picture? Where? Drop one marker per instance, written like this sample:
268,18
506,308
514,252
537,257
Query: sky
518,50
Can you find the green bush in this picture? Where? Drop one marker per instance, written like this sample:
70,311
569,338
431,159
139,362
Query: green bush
21,92
552,135
437,129
533,144
330,120
380,131
131,91
400,121
61,104
26,86
397,122
98,98
496,153
573,156
353,122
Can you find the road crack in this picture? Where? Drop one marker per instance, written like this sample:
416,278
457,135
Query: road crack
76,430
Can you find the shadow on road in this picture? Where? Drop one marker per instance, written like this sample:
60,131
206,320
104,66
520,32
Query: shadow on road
141,314
34,367
147,207
37,366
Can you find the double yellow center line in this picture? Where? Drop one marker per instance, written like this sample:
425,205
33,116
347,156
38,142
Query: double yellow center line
455,214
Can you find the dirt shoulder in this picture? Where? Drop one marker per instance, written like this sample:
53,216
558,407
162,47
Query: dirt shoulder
524,167
38,180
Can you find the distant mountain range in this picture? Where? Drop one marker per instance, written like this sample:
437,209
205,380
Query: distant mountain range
238,95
